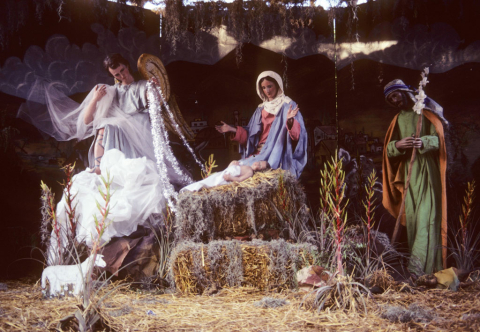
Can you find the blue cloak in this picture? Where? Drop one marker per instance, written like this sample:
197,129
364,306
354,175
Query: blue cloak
279,148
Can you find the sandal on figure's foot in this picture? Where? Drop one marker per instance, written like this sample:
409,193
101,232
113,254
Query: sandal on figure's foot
96,170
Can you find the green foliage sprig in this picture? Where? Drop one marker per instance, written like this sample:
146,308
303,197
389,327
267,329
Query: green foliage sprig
209,166
332,193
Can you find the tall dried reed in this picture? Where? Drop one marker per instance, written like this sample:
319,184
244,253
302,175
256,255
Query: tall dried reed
165,237
369,205
52,229
49,218
464,217
88,316
465,244
69,200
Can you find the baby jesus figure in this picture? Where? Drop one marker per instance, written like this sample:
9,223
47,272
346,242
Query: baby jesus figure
235,172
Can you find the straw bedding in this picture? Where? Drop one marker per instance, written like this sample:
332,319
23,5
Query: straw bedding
233,309
239,209
197,267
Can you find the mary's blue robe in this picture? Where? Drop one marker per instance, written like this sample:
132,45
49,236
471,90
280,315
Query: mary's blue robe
279,150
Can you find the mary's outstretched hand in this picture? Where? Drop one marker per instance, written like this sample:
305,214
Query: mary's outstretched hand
292,112
225,128
290,115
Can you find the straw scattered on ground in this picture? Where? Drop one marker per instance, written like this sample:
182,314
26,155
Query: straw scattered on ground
233,309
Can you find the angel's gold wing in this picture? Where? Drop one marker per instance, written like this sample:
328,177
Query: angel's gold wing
150,66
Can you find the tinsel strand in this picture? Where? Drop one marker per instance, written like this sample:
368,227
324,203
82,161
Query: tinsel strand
177,129
162,148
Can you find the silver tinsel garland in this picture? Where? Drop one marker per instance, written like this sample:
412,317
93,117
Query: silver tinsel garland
177,129
163,153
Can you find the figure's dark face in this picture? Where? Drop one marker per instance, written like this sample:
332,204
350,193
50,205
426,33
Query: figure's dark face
399,99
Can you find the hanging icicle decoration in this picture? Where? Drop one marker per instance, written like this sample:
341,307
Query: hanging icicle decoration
353,36
161,17
336,78
163,153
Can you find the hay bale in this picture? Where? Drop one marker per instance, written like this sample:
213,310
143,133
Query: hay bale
194,267
240,209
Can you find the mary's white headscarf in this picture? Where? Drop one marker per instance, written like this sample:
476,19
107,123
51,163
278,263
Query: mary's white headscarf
273,106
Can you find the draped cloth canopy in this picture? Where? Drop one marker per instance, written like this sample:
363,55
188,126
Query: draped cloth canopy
58,116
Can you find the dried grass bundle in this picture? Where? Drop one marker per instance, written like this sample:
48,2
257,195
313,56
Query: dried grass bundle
381,279
341,293
238,209
259,264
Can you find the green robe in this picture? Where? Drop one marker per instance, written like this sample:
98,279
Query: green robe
423,204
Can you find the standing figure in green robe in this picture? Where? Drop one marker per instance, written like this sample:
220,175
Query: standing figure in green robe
425,203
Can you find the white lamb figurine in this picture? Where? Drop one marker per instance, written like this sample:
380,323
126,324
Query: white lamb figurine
59,276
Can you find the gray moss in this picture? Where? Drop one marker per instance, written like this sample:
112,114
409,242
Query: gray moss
120,312
151,301
234,270
232,210
199,271
414,312
270,302
225,258
283,255
383,239
471,317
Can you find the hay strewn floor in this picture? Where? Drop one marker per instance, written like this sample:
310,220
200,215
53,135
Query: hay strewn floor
23,309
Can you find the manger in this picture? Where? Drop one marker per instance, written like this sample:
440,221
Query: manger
248,208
